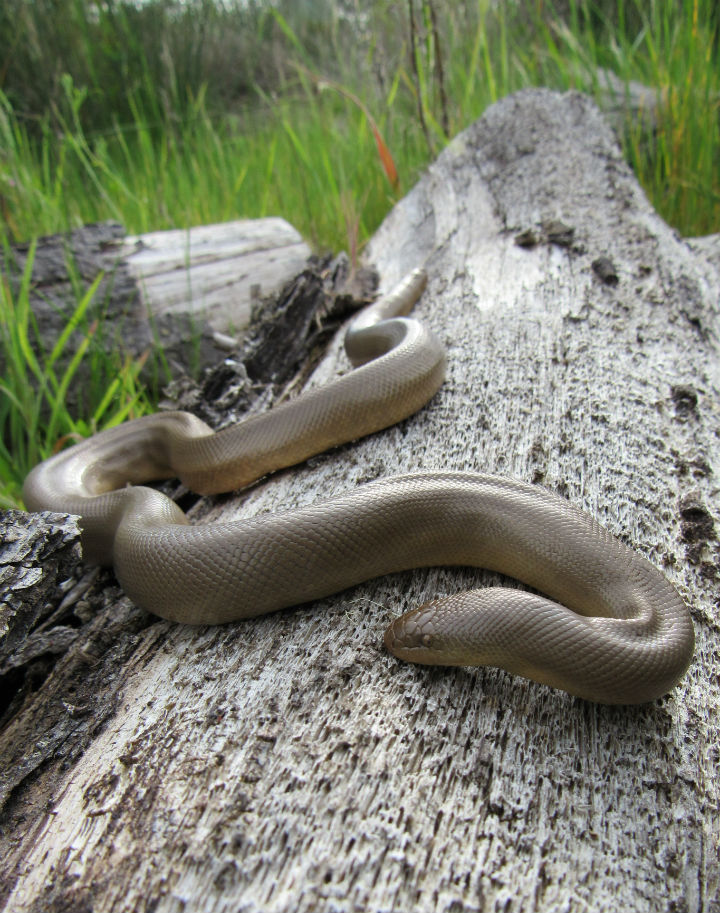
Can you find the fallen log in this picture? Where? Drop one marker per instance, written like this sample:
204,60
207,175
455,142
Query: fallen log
188,292
288,763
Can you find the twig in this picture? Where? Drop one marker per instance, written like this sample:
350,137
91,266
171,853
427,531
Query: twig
445,118
416,73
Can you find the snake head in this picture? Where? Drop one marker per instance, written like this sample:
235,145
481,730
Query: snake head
421,636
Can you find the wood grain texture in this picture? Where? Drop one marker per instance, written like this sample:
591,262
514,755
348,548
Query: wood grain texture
288,763
37,553
213,271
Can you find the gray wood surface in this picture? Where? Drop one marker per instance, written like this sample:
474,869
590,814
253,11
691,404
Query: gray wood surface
189,292
288,763
214,271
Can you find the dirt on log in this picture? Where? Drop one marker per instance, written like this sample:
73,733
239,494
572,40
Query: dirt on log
288,763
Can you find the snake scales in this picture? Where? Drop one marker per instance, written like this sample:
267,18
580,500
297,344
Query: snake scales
613,630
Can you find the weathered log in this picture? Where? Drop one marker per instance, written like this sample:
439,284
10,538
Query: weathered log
288,763
51,635
189,292
214,271
709,248
283,343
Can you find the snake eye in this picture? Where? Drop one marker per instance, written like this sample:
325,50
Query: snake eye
427,640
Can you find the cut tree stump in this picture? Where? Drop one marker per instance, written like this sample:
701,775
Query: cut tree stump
288,763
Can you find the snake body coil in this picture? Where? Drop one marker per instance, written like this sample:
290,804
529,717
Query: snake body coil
613,630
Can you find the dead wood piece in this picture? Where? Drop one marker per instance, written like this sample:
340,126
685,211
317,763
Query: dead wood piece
709,248
38,554
287,335
287,763
214,272
183,296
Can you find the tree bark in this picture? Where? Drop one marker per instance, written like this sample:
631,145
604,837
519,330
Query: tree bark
288,763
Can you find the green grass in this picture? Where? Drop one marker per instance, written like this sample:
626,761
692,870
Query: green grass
33,391
308,153
205,112
311,159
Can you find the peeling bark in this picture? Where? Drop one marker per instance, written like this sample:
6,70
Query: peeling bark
36,557
287,763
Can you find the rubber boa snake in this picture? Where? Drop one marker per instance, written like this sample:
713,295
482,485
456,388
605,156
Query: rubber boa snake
613,629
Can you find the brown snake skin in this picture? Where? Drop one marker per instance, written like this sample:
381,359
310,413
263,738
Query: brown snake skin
613,630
